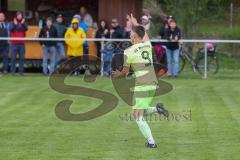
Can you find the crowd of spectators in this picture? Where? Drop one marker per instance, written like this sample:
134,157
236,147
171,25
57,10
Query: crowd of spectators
56,28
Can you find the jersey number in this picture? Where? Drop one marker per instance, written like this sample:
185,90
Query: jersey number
146,56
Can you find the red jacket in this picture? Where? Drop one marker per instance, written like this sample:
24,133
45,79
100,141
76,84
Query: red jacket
17,35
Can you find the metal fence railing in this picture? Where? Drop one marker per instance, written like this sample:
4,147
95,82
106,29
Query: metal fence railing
204,41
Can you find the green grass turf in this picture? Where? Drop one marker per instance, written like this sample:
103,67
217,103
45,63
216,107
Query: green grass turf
29,129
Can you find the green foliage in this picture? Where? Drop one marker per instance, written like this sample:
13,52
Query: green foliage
190,13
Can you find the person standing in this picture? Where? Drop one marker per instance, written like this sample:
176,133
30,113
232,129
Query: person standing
75,48
84,26
146,23
164,28
115,32
18,29
86,17
49,47
4,44
61,30
173,35
101,33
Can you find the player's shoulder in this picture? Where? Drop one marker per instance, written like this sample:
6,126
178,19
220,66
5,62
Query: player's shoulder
129,50
135,47
147,43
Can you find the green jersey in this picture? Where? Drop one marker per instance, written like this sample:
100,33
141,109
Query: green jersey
140,58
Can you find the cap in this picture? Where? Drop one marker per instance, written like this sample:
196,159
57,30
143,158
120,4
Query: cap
145,18
77,16
170,17
75,20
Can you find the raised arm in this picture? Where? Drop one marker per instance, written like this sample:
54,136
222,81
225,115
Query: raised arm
134,22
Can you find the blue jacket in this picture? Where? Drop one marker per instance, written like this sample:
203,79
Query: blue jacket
84,26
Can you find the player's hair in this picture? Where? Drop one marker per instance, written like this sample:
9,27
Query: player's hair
140,31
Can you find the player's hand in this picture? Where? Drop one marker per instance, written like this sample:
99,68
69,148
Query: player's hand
133,20
116,73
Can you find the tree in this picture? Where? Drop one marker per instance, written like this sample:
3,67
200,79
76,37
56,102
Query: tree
190,12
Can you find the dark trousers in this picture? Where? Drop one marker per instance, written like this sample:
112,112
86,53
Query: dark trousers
20,50
4,51
85,49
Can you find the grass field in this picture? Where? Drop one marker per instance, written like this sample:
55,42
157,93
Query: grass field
29,129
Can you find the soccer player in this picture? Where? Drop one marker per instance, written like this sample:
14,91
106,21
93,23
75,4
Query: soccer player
139,58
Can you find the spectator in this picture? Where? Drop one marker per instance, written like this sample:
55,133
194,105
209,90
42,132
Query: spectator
61,30
84,26
86,17
173,35
4,44
101,33
146,23
116,32
17,29
49,47
163,31
164,28
127,30
102,29
75,48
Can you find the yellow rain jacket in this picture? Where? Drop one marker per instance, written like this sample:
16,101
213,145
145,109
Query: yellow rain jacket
75,47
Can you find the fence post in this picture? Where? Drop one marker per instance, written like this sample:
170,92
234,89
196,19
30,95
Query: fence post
102,62
205,62
231,15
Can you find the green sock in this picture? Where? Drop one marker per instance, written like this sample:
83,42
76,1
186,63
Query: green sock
145,129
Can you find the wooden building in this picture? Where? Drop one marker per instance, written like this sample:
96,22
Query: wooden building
99,9
40,9
119,8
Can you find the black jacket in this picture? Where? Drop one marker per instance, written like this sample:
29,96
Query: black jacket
173,33
163,32
117,34
3,33
61,30
48,33
100,33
